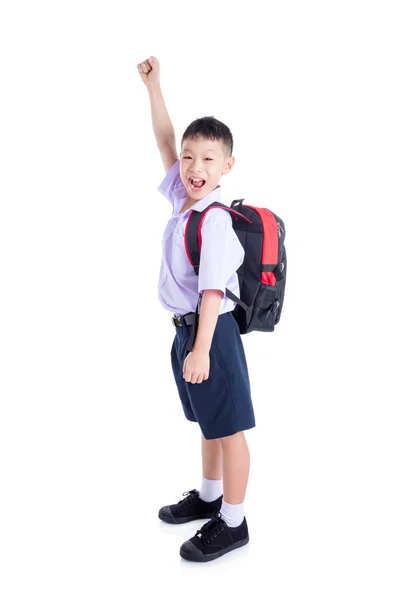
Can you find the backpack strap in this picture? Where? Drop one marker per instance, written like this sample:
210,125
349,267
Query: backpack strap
193,240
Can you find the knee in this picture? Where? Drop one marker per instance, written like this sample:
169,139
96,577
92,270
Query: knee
230,439
213,441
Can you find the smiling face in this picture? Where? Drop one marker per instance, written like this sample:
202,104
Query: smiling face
206,160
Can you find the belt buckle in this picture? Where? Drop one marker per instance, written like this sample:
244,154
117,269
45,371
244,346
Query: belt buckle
177,321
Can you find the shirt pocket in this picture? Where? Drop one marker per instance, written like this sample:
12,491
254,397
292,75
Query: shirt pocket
178,237
180,263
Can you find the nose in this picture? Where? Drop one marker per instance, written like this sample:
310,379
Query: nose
196,165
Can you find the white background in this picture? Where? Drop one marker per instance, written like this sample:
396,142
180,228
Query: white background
93,439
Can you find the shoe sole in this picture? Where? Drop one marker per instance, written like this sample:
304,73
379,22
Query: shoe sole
208,557
179,520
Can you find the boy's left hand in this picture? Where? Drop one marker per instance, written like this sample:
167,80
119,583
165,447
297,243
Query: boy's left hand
196,367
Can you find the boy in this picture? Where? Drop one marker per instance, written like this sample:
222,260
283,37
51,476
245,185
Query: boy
212,379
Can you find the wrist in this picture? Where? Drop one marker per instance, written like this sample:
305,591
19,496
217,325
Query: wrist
153,86
201,347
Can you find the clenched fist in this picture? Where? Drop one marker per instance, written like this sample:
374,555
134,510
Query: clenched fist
149,71
196,367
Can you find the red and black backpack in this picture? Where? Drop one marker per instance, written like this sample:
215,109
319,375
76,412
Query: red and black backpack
262,275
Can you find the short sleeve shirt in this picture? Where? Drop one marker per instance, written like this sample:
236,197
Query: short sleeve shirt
221,252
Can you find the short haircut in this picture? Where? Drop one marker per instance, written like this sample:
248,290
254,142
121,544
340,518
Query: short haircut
212,129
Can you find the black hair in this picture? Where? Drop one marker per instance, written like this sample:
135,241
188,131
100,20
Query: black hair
211,129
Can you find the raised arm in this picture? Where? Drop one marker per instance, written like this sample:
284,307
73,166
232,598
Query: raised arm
149,71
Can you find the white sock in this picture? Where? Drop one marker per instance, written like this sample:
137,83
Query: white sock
211,489
232,514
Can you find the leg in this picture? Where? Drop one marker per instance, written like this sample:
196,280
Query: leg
211,485
211,453
236,467
228,530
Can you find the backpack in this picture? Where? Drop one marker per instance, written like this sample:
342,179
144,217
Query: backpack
262,275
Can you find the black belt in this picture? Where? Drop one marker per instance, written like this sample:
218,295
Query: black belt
189,319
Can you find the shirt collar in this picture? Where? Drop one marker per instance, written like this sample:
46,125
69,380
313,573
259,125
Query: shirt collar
200,205
213,196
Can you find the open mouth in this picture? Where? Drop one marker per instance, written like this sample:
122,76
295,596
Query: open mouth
196,184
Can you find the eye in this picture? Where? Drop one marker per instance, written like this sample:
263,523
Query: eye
191,157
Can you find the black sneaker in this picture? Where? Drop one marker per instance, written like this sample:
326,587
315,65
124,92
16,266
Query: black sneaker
190,508
214,539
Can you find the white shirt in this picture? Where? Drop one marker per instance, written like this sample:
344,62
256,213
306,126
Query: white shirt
221,251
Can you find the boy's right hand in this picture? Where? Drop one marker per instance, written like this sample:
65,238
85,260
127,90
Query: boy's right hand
149,71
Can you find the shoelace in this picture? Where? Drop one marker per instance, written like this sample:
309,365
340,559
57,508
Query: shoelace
210,530
188,501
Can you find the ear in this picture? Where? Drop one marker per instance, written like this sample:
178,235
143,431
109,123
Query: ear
228,165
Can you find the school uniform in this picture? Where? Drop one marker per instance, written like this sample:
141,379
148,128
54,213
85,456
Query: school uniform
222,404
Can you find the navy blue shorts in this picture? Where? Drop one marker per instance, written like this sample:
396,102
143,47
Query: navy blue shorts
222,404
